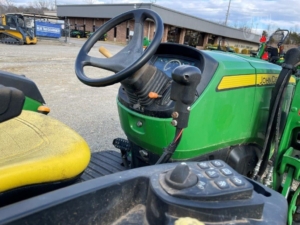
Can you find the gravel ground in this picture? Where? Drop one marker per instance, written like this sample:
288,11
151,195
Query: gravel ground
91,111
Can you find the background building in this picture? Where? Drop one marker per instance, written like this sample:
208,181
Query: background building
178,27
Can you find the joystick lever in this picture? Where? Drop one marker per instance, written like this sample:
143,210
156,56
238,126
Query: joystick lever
186,79
181,177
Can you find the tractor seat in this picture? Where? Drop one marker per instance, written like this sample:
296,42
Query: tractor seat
37,150
273,54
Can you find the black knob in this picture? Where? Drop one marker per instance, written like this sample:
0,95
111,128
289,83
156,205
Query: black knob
181,177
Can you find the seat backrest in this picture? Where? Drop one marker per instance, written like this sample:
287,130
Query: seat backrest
273,51
24,84
12,101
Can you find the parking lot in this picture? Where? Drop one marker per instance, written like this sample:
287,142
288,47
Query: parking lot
91,111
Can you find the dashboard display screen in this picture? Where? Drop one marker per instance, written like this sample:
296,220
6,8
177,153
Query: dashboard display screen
167,65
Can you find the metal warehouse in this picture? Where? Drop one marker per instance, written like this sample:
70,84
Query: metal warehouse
178,27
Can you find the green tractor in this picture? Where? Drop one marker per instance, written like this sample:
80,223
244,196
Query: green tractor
223,45
79,33
272,50
210,135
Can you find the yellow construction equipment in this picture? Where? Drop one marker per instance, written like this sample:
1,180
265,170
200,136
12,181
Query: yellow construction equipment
15,28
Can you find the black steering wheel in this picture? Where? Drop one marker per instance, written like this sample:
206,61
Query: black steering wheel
129,59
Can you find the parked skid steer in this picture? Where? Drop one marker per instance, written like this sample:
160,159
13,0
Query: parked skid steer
212,138
17,29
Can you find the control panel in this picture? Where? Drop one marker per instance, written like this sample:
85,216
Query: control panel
211,180
210,191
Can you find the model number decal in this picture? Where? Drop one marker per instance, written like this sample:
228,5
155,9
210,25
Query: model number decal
249,80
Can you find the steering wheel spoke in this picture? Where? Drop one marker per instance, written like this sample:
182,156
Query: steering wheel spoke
129,59
104,63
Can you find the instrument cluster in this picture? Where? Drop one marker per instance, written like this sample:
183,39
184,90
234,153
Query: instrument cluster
168,64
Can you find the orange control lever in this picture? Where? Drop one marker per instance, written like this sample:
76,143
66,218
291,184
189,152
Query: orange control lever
154,95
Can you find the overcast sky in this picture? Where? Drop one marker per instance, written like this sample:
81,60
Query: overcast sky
258,14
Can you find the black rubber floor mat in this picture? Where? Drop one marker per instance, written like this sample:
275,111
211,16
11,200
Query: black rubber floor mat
103,163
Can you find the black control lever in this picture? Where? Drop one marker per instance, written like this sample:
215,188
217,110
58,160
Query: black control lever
181,177
183,89
186,79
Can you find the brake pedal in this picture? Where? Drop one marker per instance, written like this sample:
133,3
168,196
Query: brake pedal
124,147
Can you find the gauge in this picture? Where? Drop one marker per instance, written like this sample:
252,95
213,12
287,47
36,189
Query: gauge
172,64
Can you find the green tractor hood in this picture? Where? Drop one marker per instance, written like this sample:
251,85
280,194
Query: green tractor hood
231,110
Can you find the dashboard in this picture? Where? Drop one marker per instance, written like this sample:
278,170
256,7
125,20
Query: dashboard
168,63
167,57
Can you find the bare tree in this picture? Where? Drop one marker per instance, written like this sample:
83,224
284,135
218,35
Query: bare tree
42,4
296,28
54,4
270,28
38,7
221,22
236,24
6,3
265,33
7,6
245,27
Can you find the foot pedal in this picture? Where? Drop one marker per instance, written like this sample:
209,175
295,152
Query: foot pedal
124,147
121,144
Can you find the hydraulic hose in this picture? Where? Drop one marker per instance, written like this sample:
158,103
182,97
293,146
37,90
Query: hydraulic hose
274,108
292,58
277,132
170,149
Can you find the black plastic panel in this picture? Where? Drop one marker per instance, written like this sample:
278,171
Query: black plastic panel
163,107
241,158
135,196
27,86
11,102
204,62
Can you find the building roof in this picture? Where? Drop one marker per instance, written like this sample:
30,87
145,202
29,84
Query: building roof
168,16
